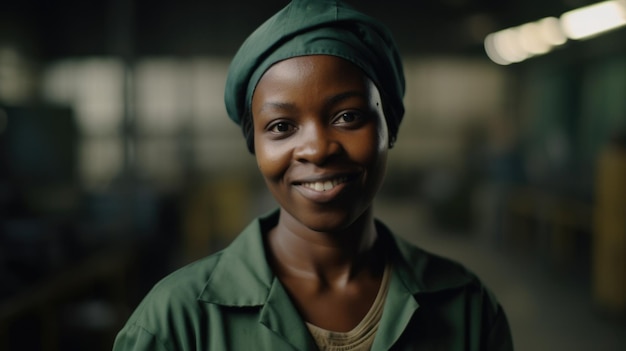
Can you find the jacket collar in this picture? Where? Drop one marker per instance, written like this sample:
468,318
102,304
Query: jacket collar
414,273
243,277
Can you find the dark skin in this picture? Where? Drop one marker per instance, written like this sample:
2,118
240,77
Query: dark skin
321,144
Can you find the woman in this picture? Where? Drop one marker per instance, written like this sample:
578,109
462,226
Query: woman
318,92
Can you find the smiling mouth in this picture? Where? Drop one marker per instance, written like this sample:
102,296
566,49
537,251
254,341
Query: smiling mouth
325,185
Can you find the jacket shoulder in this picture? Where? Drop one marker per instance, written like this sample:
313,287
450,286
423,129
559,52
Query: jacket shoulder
431,271
175,296
436,274
189,279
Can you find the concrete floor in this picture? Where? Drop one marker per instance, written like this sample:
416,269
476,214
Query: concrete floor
547,309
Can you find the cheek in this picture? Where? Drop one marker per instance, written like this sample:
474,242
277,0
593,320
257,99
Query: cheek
271,161
371,147
371,154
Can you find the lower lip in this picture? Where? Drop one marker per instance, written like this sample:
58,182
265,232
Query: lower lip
322,196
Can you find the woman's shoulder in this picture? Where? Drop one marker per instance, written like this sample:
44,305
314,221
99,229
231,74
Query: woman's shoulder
170,306
208,278
434,270
437,276
184,284
430,271
189,279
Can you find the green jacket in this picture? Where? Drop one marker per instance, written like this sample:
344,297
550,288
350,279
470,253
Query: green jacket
232,301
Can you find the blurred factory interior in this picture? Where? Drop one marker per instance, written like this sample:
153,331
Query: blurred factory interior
118,164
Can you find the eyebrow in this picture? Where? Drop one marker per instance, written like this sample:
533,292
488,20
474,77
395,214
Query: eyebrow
343,96
287,106
278,106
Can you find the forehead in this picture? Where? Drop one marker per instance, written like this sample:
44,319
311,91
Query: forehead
313,74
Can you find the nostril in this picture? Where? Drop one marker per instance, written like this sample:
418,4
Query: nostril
318,152
316,142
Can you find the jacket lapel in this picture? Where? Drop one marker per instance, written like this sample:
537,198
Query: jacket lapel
400,306
414,272
243,278
280,316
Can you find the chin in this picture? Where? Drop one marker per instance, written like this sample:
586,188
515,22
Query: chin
328,220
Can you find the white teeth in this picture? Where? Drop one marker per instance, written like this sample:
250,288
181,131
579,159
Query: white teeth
326,185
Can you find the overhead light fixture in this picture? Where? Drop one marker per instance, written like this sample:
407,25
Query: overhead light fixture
592,20
551,31
516,44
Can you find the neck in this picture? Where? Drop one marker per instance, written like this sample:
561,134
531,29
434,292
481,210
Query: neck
330,257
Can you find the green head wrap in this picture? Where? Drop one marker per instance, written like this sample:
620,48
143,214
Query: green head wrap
316,27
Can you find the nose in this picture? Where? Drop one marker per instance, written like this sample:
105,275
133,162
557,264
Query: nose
316,144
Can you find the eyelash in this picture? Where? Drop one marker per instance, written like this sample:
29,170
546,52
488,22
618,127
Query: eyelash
356,117
273,127
340,119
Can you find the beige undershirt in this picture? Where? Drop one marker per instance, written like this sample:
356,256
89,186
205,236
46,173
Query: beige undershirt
362,336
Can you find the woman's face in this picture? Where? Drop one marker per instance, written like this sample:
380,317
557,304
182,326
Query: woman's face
320,139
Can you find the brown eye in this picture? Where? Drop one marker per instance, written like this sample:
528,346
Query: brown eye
281,127
349,118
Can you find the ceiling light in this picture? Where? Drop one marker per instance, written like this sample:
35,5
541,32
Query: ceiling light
589,21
